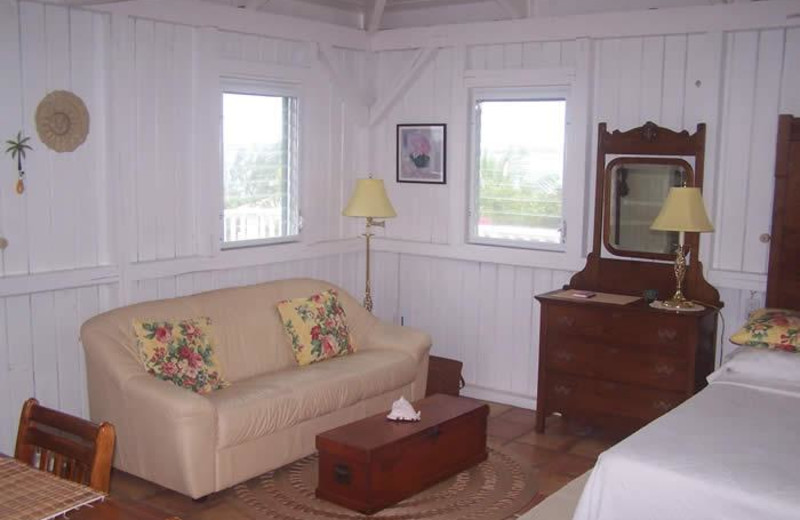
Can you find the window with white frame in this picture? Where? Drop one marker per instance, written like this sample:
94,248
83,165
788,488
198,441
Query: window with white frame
518,142
260,163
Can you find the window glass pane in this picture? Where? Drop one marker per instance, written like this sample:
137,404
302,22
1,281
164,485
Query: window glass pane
521,169
258,163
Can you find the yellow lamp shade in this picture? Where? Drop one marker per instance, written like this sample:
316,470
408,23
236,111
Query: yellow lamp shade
369,200
683,211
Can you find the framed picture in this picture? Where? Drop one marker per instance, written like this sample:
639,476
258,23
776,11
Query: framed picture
421,153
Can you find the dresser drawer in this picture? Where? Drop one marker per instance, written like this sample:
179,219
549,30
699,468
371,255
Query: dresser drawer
571,394
671,334
644,365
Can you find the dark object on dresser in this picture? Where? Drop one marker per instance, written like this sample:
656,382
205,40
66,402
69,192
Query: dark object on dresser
373,463
619,365
444,376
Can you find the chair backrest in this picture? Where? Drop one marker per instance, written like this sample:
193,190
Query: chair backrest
65,445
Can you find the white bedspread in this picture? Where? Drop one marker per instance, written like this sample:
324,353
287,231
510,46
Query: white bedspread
731,452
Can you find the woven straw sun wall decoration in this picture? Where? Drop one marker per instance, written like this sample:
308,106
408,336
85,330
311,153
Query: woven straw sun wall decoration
62,121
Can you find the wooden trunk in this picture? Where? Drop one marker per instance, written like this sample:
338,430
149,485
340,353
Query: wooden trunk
374,463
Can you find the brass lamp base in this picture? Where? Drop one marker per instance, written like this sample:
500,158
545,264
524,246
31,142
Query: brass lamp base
678,302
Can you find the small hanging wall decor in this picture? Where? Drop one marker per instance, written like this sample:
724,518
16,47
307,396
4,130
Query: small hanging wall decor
17,148
62,121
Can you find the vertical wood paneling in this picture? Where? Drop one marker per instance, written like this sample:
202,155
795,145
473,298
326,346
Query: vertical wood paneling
13,224
160,195
37,182
674,81
146,171
87,43
9,416
736,142
45,355
761,167
790,93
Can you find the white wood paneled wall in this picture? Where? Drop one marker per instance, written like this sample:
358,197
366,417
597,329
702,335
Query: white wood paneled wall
60,221
133,213
483,312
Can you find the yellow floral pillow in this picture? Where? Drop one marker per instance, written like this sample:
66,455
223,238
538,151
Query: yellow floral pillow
317,327
771,328
181,352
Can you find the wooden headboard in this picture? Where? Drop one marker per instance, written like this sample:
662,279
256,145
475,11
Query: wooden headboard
783,280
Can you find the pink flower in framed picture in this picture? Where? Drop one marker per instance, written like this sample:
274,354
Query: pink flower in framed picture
421,153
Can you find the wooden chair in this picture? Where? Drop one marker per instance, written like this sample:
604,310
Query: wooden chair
65,445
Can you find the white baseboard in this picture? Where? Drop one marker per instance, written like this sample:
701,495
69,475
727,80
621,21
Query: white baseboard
499,396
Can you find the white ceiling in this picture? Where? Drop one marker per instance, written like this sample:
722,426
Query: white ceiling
391,14
374,15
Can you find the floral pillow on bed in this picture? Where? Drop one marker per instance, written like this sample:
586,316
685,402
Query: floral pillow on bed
317,327
181,352
771,328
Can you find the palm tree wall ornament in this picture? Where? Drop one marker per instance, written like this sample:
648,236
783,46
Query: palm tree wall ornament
17,150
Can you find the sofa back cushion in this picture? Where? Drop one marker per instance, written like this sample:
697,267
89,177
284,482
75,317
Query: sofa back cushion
249,334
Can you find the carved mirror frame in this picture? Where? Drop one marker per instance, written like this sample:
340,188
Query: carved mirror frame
610,204
627,275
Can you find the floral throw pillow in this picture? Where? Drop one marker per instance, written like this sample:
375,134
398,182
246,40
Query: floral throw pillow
771,328
317,327
181,352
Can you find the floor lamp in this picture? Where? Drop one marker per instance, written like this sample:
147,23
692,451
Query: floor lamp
683,211
369,200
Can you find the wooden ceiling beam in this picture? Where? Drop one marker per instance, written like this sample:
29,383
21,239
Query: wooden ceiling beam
376,15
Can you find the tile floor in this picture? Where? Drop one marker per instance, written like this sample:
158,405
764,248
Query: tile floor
562,453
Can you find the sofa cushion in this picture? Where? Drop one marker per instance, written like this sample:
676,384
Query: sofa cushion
181,352
316,327
270,402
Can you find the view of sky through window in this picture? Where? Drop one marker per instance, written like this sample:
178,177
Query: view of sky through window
255,166
521,169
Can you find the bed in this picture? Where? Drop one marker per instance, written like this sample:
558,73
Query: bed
733,450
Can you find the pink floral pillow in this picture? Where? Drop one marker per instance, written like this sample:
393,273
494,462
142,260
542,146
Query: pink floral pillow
181,352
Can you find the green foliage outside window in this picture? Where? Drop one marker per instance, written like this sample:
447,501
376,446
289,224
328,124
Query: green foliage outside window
256,177
511,194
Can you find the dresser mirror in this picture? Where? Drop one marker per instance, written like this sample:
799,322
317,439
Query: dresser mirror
636,187
635,170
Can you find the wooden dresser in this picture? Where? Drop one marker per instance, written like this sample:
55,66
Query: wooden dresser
622,365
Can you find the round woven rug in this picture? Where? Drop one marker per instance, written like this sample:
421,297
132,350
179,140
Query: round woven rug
493,490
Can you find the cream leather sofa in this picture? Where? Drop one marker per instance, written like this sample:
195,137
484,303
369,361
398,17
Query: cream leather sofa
198,444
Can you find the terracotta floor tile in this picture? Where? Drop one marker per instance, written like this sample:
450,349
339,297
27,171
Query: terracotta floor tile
591,447
126,486
521,416
549,483
553,441
570,465
496,409
506,430
536,456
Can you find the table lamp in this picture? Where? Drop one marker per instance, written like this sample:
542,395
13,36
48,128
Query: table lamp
683,211
369,200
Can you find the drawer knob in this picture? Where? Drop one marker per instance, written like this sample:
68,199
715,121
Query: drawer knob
667,335
562,390
567,321
664,369
662,405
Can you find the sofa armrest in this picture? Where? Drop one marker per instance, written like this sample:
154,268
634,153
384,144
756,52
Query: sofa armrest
412,341
173,435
